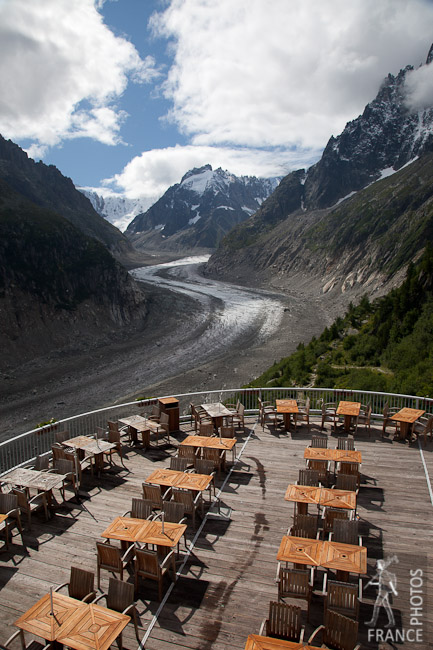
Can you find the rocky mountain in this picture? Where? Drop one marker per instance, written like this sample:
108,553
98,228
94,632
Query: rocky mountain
306,222
45,186
59,289
199,211
116,208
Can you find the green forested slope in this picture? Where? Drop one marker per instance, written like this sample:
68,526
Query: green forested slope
386,345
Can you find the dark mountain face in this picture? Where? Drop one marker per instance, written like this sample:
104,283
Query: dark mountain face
199,211
46,187
277,238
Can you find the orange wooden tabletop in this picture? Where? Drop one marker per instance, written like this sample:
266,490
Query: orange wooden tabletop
300,550
129,529
344,557
348,408
94,629
40,621
213,442
184,480
287,406
337,455
407,415
302,493
333,498
256,642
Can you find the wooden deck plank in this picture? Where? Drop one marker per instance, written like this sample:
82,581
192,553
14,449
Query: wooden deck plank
228,580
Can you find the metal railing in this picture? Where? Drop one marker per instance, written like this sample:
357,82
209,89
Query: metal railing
24,448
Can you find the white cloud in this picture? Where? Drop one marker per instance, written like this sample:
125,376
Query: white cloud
61,69
419,87
151,173
258,73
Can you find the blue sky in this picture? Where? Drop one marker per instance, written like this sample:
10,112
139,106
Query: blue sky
128,95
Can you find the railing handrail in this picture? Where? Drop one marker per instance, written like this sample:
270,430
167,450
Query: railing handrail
24,447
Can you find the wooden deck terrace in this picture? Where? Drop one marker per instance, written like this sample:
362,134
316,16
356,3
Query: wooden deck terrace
228,577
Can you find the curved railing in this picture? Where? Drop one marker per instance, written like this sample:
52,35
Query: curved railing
23,448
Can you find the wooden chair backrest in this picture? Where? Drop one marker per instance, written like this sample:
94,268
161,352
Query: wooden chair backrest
114,436
58,452
109,556
331,515
349,468
241,409
204,466
164,418
342,597
346,482
346,443
42,462
213,455
206,429
141,508
81,583
8,502
319,442
308,477
152,493
21,495
64,466
284,621
340,632
304,526
112,426
186,452
227,432
61,436
120,594
294,582
147,563
184,497
178,463
346,531
173,511
156,411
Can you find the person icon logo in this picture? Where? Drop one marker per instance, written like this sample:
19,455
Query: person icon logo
386,583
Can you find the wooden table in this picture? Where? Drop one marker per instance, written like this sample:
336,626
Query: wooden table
349,410
406,417
212,442
183,480
91,447
335,455
35,479
217,411
347,558
128,529
288,407
257,642
79,625
305,494
139,424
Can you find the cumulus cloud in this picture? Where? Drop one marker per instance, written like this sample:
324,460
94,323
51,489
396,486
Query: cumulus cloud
61,70
151,173
419,88
255,73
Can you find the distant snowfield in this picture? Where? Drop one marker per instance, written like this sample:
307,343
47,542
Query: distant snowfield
233,314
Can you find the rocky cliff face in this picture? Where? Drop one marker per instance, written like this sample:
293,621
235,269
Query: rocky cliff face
48,188
115,208
277,239
59,289
199,211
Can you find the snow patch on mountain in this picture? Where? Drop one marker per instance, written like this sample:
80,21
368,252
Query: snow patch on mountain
116,208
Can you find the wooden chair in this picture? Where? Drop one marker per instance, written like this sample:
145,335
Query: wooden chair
228,431
140,509
238,418
9,506
173,512
283,622
304,526
66,467
125,431
329,414
206,429
388,412
346,531
346,482
28,505
322,468
114,438
217,457
189,453
61,436
348,444
112,559
350,469
265,407
178,463
304,411
81,585
33,645
339,632
163,428
308,477
153,493
342,597
190,502
120,598
273,417
319,442
423,427
364,418
295,583
81,462
148,565
330,516
204,466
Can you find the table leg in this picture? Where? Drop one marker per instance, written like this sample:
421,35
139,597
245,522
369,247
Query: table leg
347,419
404,430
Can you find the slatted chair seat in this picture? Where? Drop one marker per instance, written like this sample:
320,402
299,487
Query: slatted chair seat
338,632
148,565
283,622
295,583
120,598
304,526
81,585
111,558
308,477
342,597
